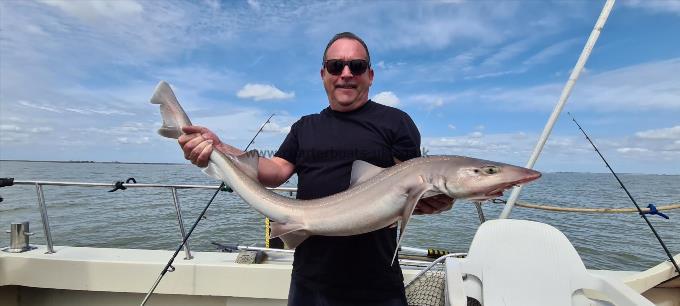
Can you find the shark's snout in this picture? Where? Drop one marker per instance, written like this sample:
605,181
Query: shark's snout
518,176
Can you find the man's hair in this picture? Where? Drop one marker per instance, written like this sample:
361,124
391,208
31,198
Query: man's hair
349,35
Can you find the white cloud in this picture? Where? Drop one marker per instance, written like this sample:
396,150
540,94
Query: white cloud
197,78
12,130
44,129
35,29
671,133
380,64
632,150
387,98
9,128
433,101
128,129
550,52
508,52
443,26
273,127
474,144
495,74
254,4
656,6
515,148
133,140
82,111
476,134
238,126
259,92
451,126
213,4
92,10
40,107
646,86
87,111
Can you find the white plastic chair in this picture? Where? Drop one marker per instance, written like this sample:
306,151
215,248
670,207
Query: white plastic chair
526,263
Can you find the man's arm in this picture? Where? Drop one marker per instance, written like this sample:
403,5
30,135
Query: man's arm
198,142
432,205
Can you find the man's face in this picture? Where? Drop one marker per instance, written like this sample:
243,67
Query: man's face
346,92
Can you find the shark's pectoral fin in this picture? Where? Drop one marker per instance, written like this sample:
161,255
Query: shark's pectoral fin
362,171
414,196
292,234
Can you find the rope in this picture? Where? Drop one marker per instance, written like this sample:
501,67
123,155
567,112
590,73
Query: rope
588,210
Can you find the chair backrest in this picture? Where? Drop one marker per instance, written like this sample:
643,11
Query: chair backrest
522,262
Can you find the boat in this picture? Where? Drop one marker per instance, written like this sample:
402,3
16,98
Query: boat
244,275
510,262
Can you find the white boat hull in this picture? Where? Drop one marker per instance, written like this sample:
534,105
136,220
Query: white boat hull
105,276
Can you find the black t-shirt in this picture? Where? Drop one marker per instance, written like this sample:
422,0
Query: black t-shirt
323,147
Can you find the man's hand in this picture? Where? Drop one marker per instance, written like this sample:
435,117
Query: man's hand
197,142
434,205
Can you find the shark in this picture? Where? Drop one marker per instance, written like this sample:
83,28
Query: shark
377,197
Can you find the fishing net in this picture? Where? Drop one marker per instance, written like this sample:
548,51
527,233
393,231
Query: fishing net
428,289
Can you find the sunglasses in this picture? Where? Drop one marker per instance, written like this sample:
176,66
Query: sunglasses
335,66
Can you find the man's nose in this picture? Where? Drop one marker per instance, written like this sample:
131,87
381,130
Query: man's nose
346,73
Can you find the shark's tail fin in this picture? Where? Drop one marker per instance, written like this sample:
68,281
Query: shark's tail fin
174,117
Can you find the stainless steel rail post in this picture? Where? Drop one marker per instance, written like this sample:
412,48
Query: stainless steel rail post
180,220
480,212
45,219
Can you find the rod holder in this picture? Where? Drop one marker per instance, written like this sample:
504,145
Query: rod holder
19,234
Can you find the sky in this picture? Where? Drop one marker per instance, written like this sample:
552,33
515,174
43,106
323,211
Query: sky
479,78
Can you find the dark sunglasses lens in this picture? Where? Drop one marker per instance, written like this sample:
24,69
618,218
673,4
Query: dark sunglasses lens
335,67
358,67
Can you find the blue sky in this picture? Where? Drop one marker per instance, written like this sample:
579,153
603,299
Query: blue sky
479,78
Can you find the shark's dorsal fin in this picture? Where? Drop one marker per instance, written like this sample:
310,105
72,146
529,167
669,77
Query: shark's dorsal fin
362,171
248,163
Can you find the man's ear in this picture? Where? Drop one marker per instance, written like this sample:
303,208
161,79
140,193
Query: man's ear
321,72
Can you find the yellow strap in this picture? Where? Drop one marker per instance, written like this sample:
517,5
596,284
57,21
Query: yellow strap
266,232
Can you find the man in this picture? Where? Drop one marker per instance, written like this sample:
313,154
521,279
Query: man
320,148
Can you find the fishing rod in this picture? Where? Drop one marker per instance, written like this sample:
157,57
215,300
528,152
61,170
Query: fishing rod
168,267
258,132
644,216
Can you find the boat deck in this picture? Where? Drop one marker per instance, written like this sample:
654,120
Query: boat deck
123,276
107,276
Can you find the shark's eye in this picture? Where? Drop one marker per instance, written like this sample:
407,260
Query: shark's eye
491,169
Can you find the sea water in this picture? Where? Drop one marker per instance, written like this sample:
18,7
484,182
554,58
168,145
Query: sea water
145,218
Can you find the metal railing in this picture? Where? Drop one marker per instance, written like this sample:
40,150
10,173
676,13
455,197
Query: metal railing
173,189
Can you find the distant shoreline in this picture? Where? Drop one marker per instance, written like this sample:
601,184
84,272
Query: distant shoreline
87,162
143,163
